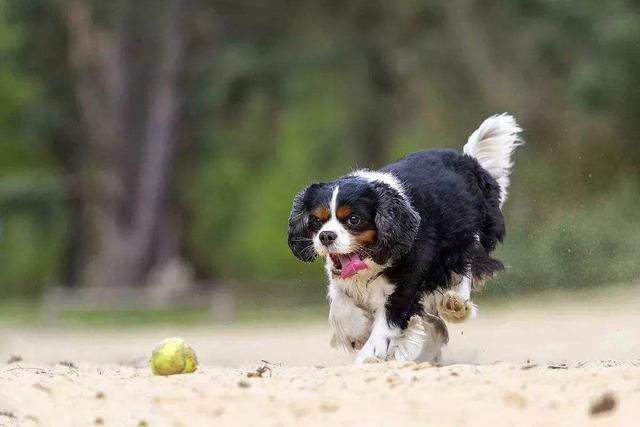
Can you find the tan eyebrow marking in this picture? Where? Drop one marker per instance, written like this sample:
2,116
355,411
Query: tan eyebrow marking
322,213
366,238
343,212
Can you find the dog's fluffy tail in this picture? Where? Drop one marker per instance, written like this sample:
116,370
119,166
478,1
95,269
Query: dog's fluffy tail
492,144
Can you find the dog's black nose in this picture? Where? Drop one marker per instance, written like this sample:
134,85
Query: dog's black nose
327,237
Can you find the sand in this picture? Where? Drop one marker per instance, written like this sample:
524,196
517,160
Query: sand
552,364
502,394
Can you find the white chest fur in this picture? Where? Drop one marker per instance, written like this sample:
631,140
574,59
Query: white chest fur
357,316
354,303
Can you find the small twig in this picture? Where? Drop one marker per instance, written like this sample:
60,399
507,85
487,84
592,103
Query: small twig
68,364
73,369
560,366
260,372
279,365
27,368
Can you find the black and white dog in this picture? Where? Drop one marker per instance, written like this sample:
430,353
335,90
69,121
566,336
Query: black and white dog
405,245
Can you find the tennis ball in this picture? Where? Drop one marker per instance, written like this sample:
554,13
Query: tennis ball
173,356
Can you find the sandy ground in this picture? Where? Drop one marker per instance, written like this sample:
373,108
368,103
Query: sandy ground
567,362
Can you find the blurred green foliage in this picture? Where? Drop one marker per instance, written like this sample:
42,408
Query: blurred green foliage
32,212
591,244
284,97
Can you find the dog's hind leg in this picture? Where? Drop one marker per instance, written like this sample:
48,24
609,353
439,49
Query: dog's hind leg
435,329
409,344
455,304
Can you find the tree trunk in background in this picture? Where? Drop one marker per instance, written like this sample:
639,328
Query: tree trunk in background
129,94
377,112
377,116
520,86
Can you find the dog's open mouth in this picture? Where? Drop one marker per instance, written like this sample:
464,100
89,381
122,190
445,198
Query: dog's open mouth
346,265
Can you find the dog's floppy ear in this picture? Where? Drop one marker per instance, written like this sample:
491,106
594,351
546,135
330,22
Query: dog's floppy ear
300,236
397,223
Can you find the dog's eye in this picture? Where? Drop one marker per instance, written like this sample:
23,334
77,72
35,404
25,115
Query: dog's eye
315,222
353,220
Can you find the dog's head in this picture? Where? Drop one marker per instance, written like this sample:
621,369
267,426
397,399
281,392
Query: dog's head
350,220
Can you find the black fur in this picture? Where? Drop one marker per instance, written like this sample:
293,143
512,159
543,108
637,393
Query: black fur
456,199
392,209
451,220
300,231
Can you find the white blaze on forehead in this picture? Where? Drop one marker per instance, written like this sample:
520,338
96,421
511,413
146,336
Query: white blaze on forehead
333,205
384,177
343,244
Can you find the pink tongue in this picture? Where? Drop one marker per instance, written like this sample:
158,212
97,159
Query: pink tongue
351,264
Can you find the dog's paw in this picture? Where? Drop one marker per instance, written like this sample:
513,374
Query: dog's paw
454,309
392,343
376,347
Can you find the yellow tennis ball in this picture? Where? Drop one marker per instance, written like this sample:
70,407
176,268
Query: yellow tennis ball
173,356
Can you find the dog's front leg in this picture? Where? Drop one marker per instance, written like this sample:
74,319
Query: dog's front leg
398,332
351,325
379,343
393,343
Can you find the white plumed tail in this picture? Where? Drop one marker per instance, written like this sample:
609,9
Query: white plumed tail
492,144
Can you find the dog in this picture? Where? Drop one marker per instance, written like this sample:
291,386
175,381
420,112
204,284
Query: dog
405,245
